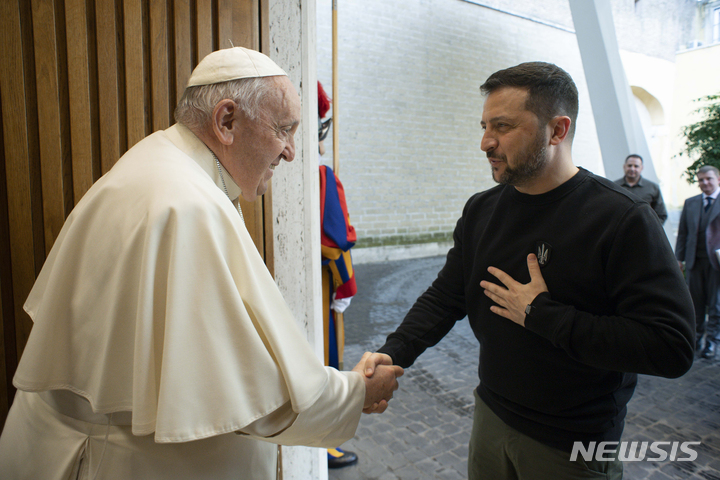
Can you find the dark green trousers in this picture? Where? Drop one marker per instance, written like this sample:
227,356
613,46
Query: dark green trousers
498,452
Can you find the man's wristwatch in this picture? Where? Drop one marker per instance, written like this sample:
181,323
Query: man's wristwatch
529,309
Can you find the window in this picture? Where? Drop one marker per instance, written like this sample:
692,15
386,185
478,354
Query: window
716,24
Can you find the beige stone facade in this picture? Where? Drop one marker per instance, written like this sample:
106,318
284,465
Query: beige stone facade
410,107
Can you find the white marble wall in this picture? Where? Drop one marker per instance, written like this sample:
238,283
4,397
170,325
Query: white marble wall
296,202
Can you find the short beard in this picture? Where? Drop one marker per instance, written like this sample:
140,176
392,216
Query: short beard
530,165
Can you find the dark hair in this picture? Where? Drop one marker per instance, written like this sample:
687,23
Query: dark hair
551,91
633,155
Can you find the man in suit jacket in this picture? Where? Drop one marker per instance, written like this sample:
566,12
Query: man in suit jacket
698,240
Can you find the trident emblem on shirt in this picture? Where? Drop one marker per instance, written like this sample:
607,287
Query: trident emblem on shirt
543,253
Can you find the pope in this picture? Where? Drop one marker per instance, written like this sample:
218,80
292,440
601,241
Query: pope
161,346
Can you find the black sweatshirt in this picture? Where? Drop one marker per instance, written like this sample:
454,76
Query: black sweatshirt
617,306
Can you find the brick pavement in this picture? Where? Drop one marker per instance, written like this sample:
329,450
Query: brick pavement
424,433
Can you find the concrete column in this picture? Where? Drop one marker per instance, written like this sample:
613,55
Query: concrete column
618,124
296,202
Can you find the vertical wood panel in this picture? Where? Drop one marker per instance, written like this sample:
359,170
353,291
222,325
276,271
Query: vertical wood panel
137,121
245,34
8,350
6,342
263,26
159,70
267,204
267,230
253,215
204,17
225,24
64,111
82,139
17,134
108,88
52,147
183,47
4,370
246,24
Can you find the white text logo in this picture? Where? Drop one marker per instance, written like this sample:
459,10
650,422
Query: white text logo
635,451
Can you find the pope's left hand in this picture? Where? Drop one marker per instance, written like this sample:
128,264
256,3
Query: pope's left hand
513,299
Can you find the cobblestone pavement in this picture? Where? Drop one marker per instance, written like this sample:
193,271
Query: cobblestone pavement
424,433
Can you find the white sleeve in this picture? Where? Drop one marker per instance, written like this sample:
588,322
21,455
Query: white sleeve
329,422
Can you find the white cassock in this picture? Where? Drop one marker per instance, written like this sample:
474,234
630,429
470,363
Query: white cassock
159,333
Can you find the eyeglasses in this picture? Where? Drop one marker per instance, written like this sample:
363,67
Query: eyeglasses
323,128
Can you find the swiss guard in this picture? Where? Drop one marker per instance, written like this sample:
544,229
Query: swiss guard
337,237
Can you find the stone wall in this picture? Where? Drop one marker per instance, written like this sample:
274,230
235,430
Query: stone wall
410,107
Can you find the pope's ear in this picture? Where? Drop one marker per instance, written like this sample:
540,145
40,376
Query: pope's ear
224,122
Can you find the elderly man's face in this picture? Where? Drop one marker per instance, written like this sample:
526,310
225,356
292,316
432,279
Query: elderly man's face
265,141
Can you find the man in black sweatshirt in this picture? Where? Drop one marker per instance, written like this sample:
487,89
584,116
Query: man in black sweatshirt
569,284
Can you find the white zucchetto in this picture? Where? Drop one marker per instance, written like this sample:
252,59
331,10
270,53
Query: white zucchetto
233,64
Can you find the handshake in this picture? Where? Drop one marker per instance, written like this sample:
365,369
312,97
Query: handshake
380,377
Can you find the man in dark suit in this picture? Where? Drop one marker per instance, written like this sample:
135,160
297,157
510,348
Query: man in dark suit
698,240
